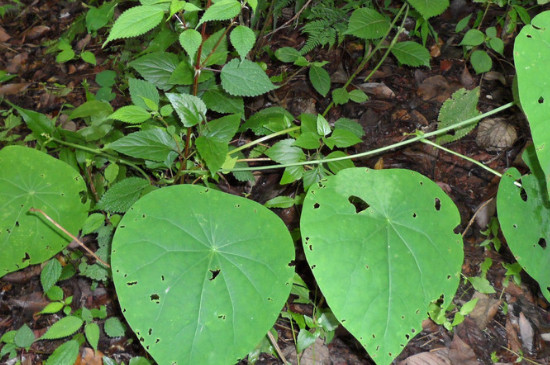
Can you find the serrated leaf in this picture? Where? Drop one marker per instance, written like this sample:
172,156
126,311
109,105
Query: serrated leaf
190,109
308,140
320,79
228,263
245,78
221,10
217,56
243,39
358,96
221,102
190,40
65,327
93,222
131,114
411,54
394,251
53,307
350,125
340,96
89,57
113,327
157,68
120,197
268,120
280,201
461,106
50,274
222,129
152,144
429,8
367,23
212,151
141,89
285,152
135,21
65,354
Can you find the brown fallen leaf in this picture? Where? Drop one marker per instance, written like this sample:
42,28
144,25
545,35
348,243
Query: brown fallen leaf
435,357
495,134
12,89
461,354
436,88
377,89
526,332
485,310
4,36
35,32
89,357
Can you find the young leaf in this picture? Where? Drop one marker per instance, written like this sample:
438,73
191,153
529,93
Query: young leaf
50,274
320,79
367,23
268,120
65,327
308,140
243,39
120,197
245,78
131,114
358,96
189,108
135,21
221,10
89,57
342,138
323,128
24,337
411,54
481,61
336,166
65,354
429,8
91,330
190,40
157,68
473,37
350,125
287,54
152,144
140,90
340,96
285,152
213,145
461,106
113,327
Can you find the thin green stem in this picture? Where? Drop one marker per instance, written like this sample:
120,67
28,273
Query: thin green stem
265,138
377,151
99,152
370,54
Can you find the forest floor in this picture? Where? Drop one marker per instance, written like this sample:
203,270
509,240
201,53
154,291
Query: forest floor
513,321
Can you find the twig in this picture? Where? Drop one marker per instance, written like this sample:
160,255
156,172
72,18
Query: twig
70,235
474,216
276,346
290,20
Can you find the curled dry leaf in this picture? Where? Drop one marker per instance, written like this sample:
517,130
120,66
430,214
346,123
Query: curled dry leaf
11,89
436,88
36,32
4,36
495,134
435,357
378,90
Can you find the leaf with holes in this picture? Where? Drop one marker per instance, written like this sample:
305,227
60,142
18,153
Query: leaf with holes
528,233
197,269
32,179
531,55
381,249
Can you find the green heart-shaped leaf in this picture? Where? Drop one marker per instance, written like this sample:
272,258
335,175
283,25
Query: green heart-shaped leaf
201,275
381,246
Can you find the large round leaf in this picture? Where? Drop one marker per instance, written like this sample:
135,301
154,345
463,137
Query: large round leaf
32,179
201,275
381,245
524,216
531,55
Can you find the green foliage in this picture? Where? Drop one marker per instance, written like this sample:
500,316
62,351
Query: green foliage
461,106
393,227
429,8
32,179
233,273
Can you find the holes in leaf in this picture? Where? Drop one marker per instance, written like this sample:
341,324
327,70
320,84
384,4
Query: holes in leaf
515,225
359,204
437,204
157,340
541,100
130,283
155,298
373,335
407,336
536,27
313,267
150,331
292,263
214,273
17,223
403,317
316,206
237,205
367,267
529,36
523,194
162,277
26,257
143,216
62,194
222,317
421,183
269,299
310,247
448,277
413,330
414,215
542,243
